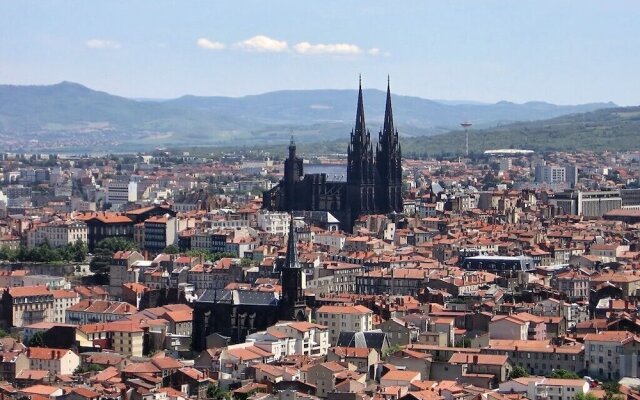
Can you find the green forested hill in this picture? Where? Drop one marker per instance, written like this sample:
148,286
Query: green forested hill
616,129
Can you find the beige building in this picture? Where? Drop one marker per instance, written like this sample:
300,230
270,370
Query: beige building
27,305
127,338
574,284
323,376
344,318
508,328
120,270
56,361
63,299
363,358
399,378
57,234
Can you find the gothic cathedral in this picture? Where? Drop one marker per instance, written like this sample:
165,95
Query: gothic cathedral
374,180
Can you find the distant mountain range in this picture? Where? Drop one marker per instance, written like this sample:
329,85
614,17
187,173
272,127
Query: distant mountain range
71,116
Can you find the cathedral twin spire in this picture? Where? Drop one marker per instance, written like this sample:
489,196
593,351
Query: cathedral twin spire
379,177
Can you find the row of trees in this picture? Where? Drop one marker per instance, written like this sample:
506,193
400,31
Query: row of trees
520,372
73,252
104,251
209,255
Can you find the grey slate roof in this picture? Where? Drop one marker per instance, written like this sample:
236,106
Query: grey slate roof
239,297
375,339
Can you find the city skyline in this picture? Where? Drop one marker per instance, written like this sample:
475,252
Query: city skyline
475,51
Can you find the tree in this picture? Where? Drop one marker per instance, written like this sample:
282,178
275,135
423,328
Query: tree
392,349
171,249
564,374
104,251
83,368
37,340
611,389
582,396
79,251
117,244
216,393
208,255
518,372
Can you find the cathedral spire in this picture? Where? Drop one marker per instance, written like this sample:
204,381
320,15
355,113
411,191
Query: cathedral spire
292,148
388,128
360,125
291,260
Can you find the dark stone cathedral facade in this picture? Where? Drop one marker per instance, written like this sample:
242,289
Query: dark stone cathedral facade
235,313
374,177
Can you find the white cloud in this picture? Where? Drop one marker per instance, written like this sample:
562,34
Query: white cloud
101,44
205,43
335,48
374,51
263,44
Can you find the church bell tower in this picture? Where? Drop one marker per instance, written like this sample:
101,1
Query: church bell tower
293,306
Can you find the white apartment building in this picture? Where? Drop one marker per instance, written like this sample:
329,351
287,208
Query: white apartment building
590,204
119,193
333,240
550,174
272,342
344,318
217,224
274,222
58,234
93,311
539,387
309,338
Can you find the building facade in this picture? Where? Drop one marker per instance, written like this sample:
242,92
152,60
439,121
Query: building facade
344,318
58,234
27,305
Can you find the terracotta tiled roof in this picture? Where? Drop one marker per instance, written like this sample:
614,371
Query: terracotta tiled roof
26,291
42,353
489,359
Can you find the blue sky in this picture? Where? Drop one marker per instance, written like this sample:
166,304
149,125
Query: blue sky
558,51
